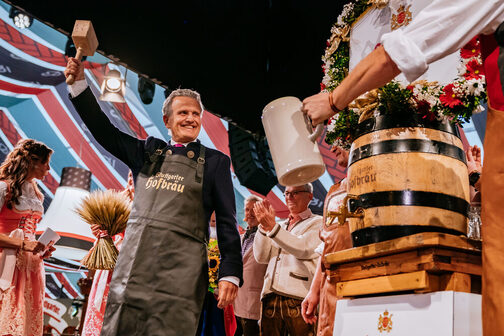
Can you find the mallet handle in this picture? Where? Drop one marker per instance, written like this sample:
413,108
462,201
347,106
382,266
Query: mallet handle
71,79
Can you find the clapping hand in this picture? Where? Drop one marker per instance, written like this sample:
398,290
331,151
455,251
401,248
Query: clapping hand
265,215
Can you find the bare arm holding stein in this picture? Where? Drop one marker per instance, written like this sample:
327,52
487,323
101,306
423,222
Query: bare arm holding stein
440,29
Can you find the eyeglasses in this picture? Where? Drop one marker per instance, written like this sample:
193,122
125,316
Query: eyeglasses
293,193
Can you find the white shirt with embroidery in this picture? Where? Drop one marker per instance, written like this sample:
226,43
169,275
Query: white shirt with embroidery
28,199
440,29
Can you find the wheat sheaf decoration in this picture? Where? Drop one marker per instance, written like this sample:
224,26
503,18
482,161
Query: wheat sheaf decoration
109,210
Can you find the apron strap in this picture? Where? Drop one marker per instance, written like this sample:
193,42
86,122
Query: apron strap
153,160
201,164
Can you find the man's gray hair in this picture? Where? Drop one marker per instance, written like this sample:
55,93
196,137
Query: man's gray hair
167,105
252,198
308,187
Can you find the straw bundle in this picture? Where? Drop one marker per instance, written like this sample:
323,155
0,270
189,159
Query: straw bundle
109,209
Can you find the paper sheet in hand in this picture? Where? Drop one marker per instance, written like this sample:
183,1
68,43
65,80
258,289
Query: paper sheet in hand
48,238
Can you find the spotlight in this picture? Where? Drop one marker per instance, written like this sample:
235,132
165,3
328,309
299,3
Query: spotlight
113,87
20,19
146,90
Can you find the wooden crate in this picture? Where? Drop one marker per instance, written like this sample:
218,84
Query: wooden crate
424,262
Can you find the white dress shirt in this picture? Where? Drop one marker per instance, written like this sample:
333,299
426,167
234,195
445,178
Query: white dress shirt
440,29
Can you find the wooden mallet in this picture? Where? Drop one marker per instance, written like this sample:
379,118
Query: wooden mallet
85,41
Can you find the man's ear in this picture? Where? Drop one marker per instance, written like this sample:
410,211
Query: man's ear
165,120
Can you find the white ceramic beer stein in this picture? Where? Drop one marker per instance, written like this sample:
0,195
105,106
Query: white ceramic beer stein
292,144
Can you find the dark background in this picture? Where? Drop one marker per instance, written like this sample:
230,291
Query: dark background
238,54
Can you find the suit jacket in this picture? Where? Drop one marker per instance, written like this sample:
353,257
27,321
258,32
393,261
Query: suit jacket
218,192
248,301
290,256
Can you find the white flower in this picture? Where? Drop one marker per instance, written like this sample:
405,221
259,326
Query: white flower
473,87
340,21
326,80
331,123
461,69
347,9
479,109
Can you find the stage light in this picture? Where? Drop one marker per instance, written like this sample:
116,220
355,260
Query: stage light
20,19
113,87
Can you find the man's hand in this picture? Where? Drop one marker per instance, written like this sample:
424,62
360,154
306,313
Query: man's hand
227,293
317,107
473,156
265,215
309,306
74,67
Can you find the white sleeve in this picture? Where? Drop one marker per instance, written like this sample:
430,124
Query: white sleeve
234,280
262,246
77,87
302,246
320,249
440,29
3,193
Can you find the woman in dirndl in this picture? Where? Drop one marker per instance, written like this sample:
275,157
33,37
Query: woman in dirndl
22,278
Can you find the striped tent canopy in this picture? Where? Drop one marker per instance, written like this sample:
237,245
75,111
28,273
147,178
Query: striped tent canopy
62,276
34,103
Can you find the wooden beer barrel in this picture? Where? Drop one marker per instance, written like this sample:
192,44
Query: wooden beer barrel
409,176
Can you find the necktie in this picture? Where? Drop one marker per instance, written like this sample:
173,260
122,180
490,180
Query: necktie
178,145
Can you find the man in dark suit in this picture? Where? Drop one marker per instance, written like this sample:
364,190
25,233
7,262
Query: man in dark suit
161,276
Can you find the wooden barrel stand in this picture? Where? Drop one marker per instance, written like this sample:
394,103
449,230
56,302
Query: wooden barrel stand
420,263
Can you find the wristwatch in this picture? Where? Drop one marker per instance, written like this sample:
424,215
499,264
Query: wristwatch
474,177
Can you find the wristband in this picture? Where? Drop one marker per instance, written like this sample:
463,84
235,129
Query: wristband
331,103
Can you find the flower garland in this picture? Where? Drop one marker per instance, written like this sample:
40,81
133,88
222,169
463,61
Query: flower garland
455,102
213,264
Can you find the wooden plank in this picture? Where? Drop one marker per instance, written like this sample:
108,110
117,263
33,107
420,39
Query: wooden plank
440,268
435,260
425,239
458,282
385,284
388,265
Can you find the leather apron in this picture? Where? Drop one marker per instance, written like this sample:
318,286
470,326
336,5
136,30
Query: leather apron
336,238
161,277
492,189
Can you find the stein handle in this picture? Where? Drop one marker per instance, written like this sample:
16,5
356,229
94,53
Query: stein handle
318,130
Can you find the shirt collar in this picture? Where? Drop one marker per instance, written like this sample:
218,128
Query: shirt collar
172,143
252,229
300,216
